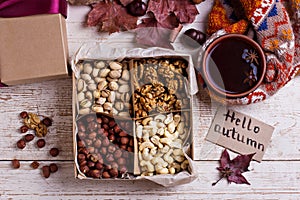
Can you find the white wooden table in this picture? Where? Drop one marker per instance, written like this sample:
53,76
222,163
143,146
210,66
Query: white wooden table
276,177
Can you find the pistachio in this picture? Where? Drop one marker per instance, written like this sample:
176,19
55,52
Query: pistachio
86,77
98,79
125,97
102,85
80,85
124,114
96,94
112,79
87,68
89,95
124,88
107,106
100,65
113,86
119,105
115,74
100,101
85,103
80,96
105,93
104,72
79,67
84,111
115,65
125,75
95,72
97,109
92,87
112,96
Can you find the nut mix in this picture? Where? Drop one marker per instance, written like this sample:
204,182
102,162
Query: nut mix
153,92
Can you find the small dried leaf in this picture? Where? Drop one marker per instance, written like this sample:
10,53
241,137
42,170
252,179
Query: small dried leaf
111,17
233,169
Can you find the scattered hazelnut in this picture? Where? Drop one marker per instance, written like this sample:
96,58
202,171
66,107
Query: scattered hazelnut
40,143
53,168
47,121
46,171
28,137
23,129
15,163
35,164
54,152
21,144
23,114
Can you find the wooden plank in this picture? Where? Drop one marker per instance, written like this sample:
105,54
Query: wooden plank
270,180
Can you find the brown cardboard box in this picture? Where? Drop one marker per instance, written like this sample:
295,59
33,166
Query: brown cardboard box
33,48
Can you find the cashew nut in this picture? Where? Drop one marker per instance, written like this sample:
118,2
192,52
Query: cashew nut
163,171
184,164
146,144
169,118
160,118
178,152
179,158
168,158
171,127
148,165
146,155
155,140
167,141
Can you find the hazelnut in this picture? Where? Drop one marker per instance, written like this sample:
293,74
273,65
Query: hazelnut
15,163
114,172
34,164
97,143
46,171
81,157
117,153
80,144
117,129
23,114
105,175
84,169
105,120
53,168
109,157
40,143
124,140
111,123
99,165
105,142
95,173
121,161
28,137
23,129
47,121
54,152
21,144
111,148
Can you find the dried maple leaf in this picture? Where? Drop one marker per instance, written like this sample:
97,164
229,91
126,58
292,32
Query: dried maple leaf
111,17
184,10
83,2
150,32
126,2
232,169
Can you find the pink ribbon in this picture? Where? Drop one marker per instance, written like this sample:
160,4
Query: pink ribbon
20,8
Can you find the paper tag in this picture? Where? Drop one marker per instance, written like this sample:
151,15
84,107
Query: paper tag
240,133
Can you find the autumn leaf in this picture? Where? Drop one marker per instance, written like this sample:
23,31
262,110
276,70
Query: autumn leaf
232,169
111,17
152,33
126,2
184,11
